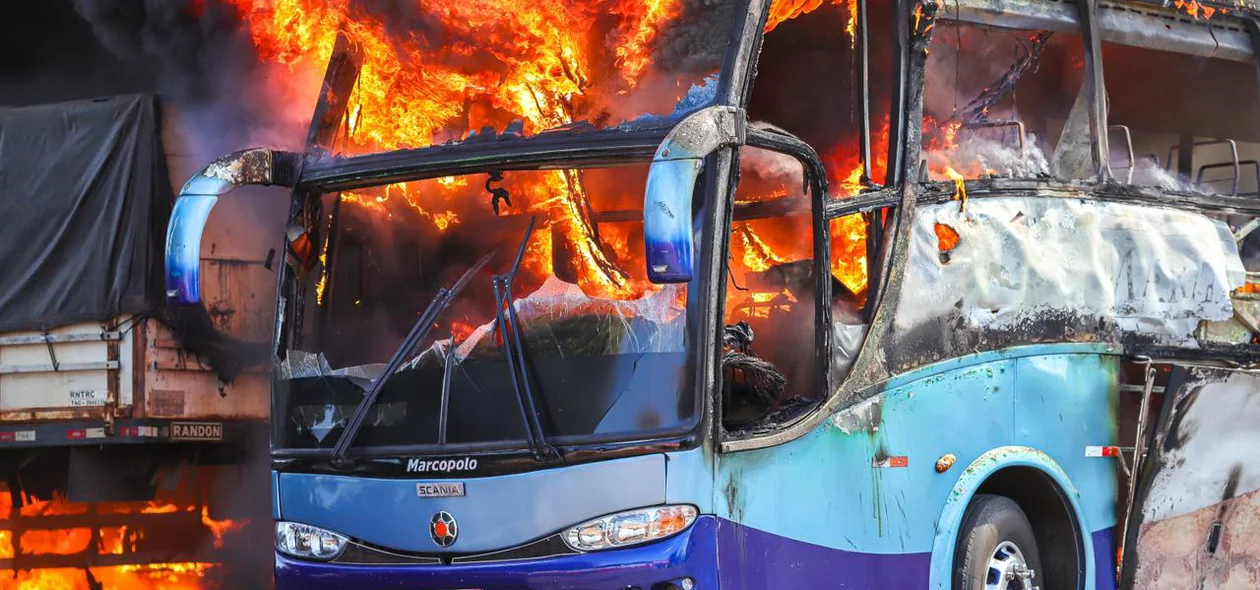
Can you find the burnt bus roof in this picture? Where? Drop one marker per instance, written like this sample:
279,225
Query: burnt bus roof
564,147
1144,23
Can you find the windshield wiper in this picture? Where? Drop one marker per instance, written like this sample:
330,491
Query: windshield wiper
418,333
515,352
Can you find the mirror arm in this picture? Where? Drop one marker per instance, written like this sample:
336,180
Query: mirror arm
703,132
257,166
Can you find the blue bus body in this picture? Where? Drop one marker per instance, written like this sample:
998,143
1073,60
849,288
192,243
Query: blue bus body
1042,342
814,512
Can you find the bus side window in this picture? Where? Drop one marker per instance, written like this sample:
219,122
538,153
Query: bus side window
1005,102
1203,132
849,289
809,84
1201,135
769,360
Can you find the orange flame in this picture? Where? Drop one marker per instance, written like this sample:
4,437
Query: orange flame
1194,8
960,186
785,10
848,251
220,527
536,62
110,540
757,256
850,26
946,237
633,57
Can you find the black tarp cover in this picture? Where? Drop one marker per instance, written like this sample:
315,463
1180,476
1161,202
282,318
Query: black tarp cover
84,201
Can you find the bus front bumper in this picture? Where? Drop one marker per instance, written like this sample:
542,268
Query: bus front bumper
652,566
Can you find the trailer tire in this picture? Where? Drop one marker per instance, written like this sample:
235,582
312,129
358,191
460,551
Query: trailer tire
996,547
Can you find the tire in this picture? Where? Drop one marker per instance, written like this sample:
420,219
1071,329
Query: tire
996,547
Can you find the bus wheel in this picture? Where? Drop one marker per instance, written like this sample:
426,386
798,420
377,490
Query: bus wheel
996,548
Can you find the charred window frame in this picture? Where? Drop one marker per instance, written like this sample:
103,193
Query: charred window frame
815,183
853,109
877,204
306,217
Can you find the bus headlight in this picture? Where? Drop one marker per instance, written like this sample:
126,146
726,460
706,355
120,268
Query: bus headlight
308,542
630,527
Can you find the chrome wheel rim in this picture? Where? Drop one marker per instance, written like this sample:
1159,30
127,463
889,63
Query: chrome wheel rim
1008,570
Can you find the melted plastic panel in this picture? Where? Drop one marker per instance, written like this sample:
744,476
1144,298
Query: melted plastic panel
1010,270
1213,429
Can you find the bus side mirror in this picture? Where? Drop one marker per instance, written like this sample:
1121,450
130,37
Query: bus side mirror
667,228
196,199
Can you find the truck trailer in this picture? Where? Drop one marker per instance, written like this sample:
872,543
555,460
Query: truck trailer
126,427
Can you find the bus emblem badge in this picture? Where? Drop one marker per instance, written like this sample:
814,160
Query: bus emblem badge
443,529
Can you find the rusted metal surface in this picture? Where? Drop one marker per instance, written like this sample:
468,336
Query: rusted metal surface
181,385
239,297
246,167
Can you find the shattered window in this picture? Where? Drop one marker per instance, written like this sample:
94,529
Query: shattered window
768,359
808,83
1182,122
848,291
1005,102
606,352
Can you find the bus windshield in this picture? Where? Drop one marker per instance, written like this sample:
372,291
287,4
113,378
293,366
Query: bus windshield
605,351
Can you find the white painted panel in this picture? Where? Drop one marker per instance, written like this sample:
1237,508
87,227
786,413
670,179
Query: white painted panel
24,386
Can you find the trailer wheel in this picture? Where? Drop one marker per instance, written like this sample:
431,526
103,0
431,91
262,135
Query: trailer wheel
996,548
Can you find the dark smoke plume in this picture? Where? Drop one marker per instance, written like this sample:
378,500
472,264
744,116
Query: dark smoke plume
202,63
696,40
202,60
190,46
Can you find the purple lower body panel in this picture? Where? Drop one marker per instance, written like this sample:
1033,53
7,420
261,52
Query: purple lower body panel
742,558
751,559
1105,559
647,567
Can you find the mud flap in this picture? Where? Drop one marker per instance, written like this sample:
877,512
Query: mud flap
1195,521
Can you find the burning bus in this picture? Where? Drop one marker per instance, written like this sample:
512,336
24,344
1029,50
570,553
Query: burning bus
757,294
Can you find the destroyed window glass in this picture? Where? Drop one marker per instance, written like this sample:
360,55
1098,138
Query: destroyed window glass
1005,102
607,352
849,293
424,74
1172,117
768,358
808,83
